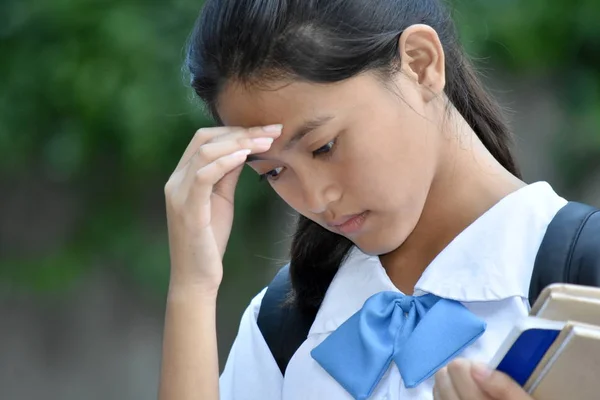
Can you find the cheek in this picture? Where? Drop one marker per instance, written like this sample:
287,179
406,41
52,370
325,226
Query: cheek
393,169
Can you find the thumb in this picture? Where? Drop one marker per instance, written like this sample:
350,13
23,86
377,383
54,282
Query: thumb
496,384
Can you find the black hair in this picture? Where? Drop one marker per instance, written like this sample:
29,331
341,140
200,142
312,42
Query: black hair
254,41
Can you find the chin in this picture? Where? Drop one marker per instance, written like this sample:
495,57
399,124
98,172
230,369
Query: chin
373,247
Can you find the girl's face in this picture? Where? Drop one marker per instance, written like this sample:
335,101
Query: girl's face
357,157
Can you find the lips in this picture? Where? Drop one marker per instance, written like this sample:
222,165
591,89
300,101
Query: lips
348,224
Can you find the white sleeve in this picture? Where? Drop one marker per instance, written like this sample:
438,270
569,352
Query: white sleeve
251,372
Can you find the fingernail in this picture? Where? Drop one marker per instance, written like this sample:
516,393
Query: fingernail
273,128
263,141
480,371
240,153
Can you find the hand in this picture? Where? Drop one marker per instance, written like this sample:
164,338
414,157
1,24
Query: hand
199,200
465,380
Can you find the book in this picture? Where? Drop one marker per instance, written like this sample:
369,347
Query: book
554,354
571,367
525,346
569,302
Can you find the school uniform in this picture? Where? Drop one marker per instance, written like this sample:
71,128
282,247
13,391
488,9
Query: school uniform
487,268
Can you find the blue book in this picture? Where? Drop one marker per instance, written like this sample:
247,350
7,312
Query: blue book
554,354
525,346
552,363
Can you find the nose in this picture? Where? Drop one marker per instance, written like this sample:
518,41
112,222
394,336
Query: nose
319,191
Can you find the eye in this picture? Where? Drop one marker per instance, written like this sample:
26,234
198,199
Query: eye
272,174
324,149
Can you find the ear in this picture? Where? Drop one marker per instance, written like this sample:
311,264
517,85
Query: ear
422,59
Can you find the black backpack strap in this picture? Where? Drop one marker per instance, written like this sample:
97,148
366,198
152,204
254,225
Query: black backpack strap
570,250
283,326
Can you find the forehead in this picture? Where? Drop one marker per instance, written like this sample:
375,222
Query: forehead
290,103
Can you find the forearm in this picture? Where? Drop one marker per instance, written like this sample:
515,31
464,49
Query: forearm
199,202
190,368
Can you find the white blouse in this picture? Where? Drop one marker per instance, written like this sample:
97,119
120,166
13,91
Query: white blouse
487,267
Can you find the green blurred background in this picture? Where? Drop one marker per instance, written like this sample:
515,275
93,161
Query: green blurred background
95,112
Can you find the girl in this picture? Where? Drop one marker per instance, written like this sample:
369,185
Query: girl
416,237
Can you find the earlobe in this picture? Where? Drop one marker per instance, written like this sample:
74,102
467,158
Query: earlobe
422,59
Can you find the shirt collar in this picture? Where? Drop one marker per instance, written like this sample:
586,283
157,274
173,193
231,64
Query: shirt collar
492,259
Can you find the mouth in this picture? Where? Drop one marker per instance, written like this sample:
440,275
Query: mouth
349,224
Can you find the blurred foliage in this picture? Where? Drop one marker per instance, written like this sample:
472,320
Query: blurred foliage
558,39
92,93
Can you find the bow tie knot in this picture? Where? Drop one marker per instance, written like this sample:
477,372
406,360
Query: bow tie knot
406,303
419,333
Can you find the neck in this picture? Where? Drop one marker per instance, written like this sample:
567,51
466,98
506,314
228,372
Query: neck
468,183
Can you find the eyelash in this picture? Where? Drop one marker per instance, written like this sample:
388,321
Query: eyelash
323,151
267,176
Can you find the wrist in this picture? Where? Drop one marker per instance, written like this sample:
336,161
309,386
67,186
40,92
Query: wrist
182,289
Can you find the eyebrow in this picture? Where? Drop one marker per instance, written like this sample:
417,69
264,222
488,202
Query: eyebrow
306,128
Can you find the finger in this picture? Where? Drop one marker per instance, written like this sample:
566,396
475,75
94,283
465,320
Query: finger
497,385
225,188
444,389
220,134
272,131
206,177
202,136
210,152
459,371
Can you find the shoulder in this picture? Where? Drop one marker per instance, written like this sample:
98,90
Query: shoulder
250,364
570,250
248,322
254,305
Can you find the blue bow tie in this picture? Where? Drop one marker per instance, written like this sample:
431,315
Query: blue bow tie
421,334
